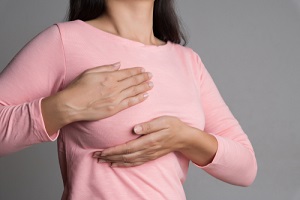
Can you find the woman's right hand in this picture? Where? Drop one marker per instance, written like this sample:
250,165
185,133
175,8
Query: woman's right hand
95,94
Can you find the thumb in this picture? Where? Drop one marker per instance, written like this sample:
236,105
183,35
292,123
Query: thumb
154,125
103,68
114,66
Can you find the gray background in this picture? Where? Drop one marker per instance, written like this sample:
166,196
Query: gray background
252,50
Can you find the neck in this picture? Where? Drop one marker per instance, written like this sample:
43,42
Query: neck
132,19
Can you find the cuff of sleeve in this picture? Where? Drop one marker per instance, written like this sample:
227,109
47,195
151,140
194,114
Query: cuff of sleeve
39,124
218,156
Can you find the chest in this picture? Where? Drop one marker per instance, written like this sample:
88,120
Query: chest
174,93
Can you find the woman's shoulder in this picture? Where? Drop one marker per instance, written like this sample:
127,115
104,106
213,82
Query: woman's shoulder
55,31
67,23
68,26
187,52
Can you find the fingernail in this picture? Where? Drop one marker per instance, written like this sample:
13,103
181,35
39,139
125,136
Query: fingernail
96,154
101,160
137,129
116,64
150,84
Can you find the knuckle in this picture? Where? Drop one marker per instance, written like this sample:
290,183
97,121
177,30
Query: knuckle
153,156
136,70
152,140
110,66
107,78
124,158
135,90
151,151
158,146
110,108
128,159
128,72
147,127
131,102
127,149
164,120
110,100
172,120
149,157
135,79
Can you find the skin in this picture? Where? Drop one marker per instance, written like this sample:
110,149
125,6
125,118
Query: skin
131,19
111,90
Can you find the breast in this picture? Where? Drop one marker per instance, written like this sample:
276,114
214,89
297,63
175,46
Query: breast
179,99
174,94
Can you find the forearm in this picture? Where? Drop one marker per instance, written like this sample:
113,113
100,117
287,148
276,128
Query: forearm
56,113
234,161
198,146
229,160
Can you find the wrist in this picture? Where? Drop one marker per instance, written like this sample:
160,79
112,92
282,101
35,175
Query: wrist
67,113
187,138
52,116
199,146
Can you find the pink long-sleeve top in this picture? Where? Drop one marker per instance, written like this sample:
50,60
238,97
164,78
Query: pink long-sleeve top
182,87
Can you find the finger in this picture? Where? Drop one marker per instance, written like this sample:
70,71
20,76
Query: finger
132,157
144,155
131,101
120,164
133,82
141,159
136,89
128,72
103,68
127,148
154,125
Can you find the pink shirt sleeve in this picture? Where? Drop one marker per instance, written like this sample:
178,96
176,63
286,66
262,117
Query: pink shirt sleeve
235,161
35,72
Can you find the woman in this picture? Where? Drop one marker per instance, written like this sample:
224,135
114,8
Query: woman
83,82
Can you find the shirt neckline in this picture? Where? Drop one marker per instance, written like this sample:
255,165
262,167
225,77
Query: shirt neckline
125,40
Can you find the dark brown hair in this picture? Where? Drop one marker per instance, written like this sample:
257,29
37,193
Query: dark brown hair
166,24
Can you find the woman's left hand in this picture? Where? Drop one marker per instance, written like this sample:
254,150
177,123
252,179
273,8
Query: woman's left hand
160,136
